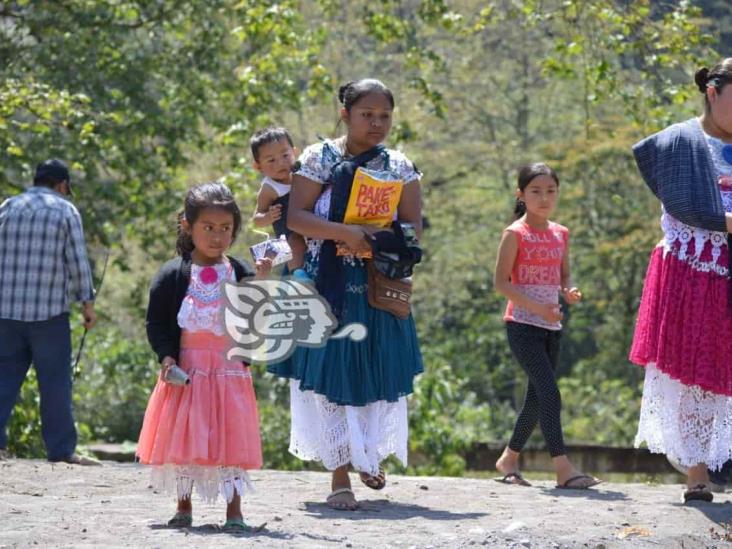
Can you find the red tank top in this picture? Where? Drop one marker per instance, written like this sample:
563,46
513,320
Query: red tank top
537,271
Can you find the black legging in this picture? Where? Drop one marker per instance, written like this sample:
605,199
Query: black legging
537,350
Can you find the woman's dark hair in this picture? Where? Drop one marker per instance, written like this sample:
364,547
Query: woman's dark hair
525,176
719,76
198,198
350,93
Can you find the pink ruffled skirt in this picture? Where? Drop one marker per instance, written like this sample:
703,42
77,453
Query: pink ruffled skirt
212,421
684,325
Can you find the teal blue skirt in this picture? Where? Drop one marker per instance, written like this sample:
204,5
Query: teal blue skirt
381,367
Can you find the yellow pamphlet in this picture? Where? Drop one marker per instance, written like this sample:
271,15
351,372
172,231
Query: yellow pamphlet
373,201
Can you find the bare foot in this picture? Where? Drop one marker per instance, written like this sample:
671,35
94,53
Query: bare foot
233,509
696,475
185,506
579,481
184,514
569,477
508,462
342,499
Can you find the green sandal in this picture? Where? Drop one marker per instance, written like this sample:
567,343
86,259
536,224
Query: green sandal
181,520
236,525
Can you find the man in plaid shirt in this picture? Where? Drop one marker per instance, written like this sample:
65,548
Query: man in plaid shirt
42,257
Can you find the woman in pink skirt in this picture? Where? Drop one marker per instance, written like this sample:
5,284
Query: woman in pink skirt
683,335
204,433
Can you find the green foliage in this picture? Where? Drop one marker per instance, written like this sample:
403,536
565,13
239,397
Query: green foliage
116,378
128,91
632,52
24,427
444,420
718,17
599,409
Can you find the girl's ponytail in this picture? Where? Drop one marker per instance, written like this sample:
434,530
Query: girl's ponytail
184,243
701,77
520,208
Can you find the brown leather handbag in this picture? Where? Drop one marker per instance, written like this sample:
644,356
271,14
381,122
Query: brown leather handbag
387,294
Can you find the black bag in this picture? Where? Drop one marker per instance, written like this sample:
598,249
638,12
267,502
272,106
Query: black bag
394,253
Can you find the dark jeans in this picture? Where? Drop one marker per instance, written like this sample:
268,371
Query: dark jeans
537,351
47,344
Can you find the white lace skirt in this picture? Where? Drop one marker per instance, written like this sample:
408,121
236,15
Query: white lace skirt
338,435
686,423
209,481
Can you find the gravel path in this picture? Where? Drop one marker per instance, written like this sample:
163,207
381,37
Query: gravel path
112,506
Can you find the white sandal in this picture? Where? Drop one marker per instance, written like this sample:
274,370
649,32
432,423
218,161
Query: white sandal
341,507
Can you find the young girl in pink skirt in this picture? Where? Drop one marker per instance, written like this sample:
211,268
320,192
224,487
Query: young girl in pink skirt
206,433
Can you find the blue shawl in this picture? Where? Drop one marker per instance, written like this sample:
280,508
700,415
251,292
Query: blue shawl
677,166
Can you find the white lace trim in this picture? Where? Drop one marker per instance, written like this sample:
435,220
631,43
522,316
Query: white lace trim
195,318
202,308
338,435
209,481
686,423
681,234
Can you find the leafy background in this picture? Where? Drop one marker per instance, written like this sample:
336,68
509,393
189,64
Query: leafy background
145,98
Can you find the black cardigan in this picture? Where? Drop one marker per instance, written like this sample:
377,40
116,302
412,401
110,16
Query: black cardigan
167,292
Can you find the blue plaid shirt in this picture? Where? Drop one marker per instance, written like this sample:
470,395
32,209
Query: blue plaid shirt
42,254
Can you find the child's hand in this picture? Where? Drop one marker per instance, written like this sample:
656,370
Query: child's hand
274,213
571,295
166,363
263,267
551,312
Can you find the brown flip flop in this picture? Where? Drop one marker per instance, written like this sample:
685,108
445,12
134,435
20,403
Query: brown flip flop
513,478
566,485
374,482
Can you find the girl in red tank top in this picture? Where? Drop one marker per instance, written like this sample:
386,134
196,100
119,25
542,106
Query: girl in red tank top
531,271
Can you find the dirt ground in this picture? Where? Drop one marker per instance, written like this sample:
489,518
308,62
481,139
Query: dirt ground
112,506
